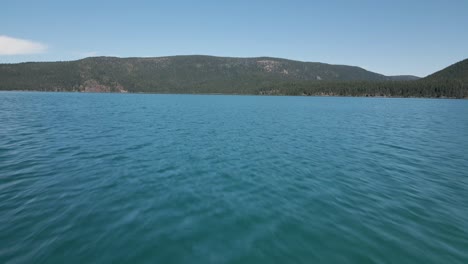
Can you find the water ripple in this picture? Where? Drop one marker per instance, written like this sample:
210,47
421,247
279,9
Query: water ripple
95,178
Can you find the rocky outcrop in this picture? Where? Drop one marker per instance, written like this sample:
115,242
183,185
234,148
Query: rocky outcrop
93,86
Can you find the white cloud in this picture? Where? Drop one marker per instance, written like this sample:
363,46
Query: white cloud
15,46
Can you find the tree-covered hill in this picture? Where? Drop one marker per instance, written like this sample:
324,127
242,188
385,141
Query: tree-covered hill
451,82
207,74
174,74
457,71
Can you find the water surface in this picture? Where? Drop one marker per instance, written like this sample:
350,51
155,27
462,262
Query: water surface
112,178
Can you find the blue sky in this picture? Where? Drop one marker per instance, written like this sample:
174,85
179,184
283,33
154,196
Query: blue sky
390,37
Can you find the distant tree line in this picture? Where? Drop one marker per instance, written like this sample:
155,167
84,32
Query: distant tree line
419,88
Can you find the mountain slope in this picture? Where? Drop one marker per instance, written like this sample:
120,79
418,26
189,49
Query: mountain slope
457,71
176,74
451,82
206,74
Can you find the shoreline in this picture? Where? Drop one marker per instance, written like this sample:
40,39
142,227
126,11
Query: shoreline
266,95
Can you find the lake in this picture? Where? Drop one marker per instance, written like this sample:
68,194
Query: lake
143,178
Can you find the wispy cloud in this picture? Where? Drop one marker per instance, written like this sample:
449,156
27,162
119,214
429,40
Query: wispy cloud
16,46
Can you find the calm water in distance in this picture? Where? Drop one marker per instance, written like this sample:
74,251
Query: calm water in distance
133,178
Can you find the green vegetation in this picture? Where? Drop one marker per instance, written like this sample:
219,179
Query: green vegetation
419,88
206,74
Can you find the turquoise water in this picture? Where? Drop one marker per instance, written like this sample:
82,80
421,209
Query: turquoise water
114,178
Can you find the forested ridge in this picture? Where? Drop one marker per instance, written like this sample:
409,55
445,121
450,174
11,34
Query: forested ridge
207,74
